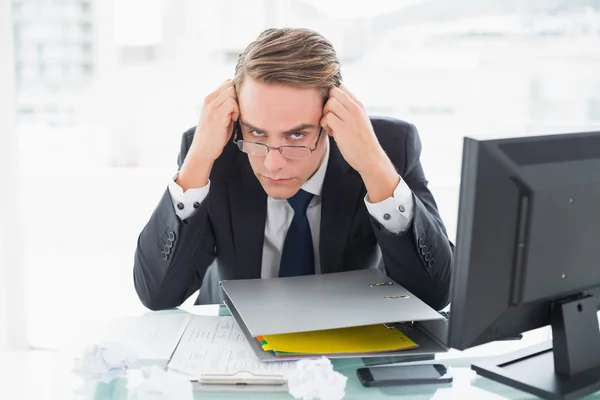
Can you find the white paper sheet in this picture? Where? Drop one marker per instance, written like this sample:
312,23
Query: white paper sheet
154,383
216,345
151,337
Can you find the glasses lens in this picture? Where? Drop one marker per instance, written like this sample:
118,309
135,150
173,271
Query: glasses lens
254,149
296,153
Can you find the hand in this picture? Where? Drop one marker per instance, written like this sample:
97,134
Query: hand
214,129
345,119
219,113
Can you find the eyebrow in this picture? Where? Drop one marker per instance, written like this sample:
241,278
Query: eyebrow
296,129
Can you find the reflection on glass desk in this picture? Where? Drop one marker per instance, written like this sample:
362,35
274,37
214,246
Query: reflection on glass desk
466,384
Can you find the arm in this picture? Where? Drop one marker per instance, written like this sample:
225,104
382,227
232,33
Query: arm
417,252
166,280
419,257
173,254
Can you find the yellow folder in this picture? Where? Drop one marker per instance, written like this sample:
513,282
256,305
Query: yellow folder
359,339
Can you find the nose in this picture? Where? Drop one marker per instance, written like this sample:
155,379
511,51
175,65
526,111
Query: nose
274,161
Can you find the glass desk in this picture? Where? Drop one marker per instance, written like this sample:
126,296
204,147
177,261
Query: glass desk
466,384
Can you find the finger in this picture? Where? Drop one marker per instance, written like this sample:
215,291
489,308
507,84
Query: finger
229,110
225,94
344,99
345,89
332,124
334,106
211,97
235,114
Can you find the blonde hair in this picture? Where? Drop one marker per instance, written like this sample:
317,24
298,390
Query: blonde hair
290,56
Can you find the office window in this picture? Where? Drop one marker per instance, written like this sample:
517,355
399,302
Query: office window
54,59
101,108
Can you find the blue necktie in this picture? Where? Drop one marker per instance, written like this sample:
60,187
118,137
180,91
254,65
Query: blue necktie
297,257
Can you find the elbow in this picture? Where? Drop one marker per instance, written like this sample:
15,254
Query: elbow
156,304
441,297
148,289
154,301
150,303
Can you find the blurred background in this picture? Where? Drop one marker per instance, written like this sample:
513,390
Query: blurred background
99,93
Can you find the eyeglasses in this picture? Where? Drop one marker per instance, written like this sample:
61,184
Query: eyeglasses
261,150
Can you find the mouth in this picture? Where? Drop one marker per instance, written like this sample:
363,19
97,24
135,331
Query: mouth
276,180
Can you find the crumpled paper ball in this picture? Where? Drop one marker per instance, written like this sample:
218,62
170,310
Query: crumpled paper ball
316,380
157,384
105,362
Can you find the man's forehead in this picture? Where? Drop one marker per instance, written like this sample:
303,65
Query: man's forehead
261,103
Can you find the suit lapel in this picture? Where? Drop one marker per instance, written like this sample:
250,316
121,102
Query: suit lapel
341,191
248,206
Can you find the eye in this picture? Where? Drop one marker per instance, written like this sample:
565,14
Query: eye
256,133
296,135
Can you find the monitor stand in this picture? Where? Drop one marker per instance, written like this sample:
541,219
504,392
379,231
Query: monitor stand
568,367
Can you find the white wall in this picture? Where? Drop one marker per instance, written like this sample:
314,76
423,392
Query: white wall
12,316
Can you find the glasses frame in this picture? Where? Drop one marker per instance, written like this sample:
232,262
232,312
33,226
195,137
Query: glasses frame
240,142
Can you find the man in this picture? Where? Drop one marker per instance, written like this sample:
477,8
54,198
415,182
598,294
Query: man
286,175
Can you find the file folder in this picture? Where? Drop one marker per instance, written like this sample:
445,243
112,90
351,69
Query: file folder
264,307
353,340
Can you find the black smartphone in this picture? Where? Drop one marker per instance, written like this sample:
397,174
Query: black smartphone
403,375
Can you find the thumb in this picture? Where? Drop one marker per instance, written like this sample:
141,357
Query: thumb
325,126
235,116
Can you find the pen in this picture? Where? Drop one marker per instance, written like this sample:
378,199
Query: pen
236,379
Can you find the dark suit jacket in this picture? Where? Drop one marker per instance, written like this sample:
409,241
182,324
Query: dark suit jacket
229,226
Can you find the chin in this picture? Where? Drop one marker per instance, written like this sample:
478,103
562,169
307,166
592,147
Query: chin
280,191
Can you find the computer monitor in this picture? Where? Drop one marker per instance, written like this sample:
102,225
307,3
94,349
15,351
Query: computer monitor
528,255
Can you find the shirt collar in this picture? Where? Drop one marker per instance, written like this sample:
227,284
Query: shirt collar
314,185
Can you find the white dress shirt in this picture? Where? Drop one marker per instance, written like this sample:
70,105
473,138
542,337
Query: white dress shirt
280,214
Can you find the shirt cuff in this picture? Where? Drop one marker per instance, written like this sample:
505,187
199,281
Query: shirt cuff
394,213
186,203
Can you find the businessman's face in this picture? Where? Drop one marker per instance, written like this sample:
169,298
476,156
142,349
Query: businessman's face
278,115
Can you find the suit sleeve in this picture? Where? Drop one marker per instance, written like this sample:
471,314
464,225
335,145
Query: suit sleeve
420,257
172,255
